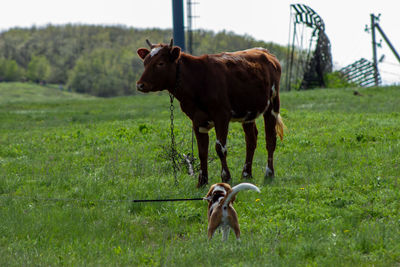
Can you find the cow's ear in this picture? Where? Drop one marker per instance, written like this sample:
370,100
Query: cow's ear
175,53
143,52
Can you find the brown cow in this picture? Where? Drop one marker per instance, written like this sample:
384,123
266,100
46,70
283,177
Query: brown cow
216,89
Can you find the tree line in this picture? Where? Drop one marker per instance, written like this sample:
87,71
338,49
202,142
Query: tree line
98,60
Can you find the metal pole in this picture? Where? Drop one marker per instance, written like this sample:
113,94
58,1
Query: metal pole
374,57
189,27
288,54
387,41
178,23
291,57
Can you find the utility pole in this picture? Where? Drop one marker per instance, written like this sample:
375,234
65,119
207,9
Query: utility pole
374,57
178,23
190,18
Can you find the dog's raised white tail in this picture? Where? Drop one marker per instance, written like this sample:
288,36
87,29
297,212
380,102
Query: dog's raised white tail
236,189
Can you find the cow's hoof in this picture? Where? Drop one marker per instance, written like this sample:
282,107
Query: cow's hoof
246,175
203,181
201,185
268,179
269,172
269,175
226,176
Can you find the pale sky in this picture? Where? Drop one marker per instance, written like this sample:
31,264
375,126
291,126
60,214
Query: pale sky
264,20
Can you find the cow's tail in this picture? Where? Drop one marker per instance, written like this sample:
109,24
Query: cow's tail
236,189
274,97
279,126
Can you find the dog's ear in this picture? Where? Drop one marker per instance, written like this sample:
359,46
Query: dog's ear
208,198
209,194
227,187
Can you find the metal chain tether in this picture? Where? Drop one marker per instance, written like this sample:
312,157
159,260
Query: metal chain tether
173,145
189,158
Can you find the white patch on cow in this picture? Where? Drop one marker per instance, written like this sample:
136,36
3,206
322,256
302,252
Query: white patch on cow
261,48
223,148
274,114
208,128
273,91
223,174
257,48
203,130
154,51
245,174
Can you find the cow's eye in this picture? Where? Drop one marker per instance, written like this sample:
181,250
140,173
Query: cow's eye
160,64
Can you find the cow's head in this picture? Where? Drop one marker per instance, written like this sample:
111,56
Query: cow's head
159,67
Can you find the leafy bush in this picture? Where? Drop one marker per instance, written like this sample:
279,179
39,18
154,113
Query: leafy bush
9,70
336,80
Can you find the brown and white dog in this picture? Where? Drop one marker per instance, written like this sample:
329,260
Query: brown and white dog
220,199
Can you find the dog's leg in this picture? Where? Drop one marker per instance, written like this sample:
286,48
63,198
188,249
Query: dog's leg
234,223
225,233
236,229
213,223
211,231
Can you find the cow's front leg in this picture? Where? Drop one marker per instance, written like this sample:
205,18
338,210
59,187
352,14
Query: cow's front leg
202,146
221,130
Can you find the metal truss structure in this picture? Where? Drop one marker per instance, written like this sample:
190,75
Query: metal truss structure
307,67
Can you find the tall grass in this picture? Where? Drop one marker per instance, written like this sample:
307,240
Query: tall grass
69,167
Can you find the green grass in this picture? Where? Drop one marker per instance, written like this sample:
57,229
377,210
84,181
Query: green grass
69,165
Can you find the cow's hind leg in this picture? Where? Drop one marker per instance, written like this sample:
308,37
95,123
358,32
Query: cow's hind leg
270,136
221,130
273,126
250,130
202,145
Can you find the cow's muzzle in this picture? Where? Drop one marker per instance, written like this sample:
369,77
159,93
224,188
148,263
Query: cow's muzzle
141,87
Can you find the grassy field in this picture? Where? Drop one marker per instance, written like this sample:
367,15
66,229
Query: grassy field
70,164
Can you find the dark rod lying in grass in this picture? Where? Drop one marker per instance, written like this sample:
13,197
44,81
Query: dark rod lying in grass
171,199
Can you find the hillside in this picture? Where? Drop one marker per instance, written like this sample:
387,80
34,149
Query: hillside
14,92
98,60
69,170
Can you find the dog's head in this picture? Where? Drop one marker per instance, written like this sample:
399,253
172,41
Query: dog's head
217,191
